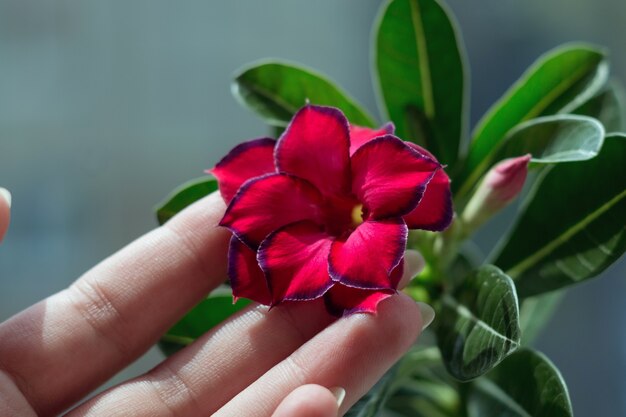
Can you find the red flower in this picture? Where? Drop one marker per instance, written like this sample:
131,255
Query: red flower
325,211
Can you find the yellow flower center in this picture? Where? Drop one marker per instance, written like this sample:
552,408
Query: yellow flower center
357,214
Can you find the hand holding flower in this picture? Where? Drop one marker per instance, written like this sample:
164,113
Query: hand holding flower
256,363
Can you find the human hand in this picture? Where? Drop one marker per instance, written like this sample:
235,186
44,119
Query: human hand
257,363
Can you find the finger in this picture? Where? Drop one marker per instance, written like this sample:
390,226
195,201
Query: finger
81,336
353,353
204,376
12,403
310,400
5,211
201,378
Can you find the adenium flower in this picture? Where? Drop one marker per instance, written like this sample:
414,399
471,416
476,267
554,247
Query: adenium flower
325,211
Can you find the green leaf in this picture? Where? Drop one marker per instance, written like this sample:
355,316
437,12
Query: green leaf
426,389
553,139
420,65
572,226
371,403
478,324
606,106
210,312
276,90
526,384
550,139
418,384
183,196
557,82
426,399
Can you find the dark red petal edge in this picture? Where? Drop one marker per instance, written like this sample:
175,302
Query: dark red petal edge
446,216
343,301
228,186
242,191
397,259
365,134
246,277
420,189
316,178
263,263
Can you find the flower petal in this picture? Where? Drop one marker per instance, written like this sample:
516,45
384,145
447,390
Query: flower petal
246,277
295,262
389,177
361,135
396,275
342,301
265,204
247,160
421,150
434,211
315,146
367,256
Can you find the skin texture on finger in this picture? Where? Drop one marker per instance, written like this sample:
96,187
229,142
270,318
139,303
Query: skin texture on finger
204,376
309,400
353,352
5,212
12,403
65,346
201,378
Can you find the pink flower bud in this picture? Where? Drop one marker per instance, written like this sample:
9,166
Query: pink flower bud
499,187
506,179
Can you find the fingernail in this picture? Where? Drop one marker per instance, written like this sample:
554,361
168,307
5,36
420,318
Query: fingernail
414,262
339,393
4,193
427,313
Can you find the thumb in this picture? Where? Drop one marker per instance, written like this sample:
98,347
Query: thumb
311,401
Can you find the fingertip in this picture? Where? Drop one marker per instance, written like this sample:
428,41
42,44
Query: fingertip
376,342
5,211
311,400
396,326
401,315
414,264
6,195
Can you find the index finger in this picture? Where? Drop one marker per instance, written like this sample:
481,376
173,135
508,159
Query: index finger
65,346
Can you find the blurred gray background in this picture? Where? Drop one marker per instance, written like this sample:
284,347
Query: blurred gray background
105,106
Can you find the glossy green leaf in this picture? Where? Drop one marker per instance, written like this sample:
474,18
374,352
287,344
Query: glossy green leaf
549,139
557,82
417,384
183,196
552,139
216,308
526,384
426,389
275,90
573,225
607,106
420,64
478,324
371,403
425,399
